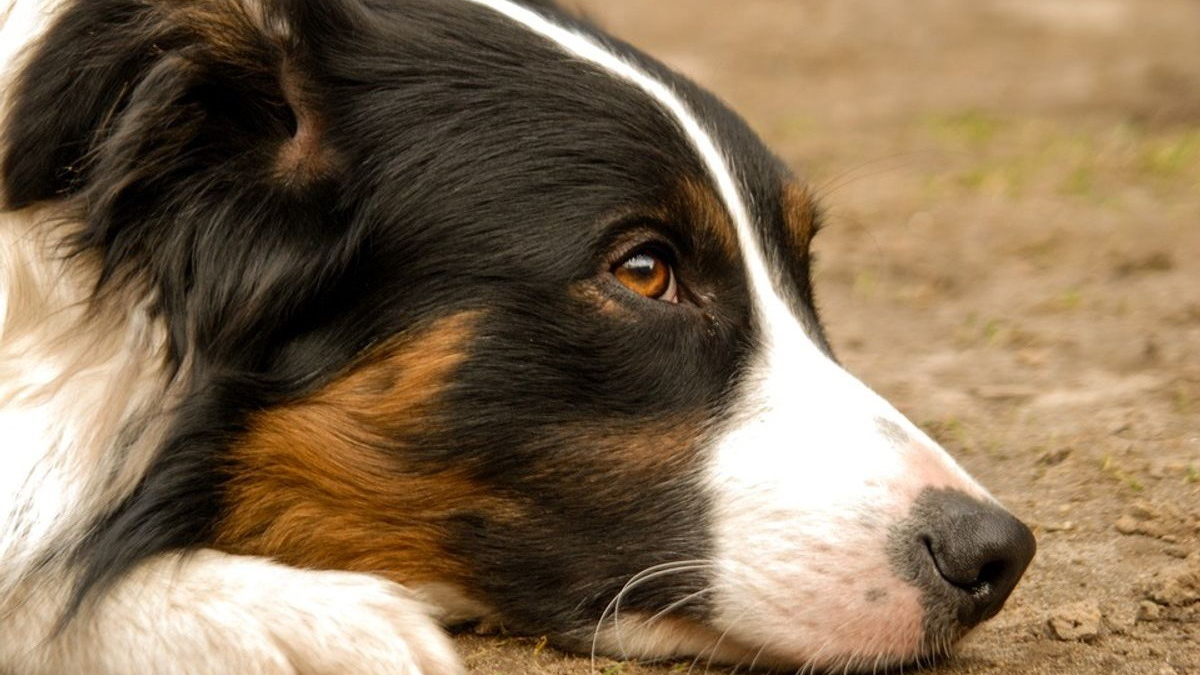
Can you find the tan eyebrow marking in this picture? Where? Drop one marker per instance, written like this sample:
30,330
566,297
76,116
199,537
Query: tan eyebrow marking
800,215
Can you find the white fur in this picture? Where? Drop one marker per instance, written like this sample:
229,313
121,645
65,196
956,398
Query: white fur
806,481
451,605
76,381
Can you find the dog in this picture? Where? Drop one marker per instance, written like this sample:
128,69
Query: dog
325,324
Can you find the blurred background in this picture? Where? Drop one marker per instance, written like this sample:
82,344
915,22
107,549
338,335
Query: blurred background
1012,256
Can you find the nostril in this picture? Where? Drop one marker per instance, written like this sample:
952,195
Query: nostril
972,577
981,557
992,571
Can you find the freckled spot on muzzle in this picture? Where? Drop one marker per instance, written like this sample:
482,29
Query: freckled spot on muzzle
893,432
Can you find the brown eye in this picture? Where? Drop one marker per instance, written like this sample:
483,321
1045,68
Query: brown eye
648,274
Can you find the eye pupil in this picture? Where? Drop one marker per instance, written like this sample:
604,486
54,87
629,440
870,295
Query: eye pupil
648,275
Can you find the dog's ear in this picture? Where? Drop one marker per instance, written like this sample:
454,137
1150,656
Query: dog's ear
177,66
190,137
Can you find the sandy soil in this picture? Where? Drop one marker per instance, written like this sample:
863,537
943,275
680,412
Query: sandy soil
1013,258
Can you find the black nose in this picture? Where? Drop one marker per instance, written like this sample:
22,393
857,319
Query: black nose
978,549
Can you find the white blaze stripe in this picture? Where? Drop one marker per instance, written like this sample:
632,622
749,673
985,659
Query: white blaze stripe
591,51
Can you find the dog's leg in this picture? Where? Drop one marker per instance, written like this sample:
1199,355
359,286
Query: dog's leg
209,613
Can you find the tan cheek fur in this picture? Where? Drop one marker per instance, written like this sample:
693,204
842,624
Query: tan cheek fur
322,483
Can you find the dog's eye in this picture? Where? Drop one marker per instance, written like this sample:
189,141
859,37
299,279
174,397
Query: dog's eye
648,274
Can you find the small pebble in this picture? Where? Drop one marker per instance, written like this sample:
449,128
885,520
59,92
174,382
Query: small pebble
1176,586
1149,611
1144,511
1180,552
1079,621
1128,524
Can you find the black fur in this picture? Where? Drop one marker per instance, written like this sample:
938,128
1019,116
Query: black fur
472,165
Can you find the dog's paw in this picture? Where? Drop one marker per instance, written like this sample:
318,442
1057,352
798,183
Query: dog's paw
357,625
210,613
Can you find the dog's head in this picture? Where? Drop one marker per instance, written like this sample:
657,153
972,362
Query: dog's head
469,295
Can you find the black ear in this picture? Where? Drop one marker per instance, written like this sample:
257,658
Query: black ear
190,140
85,72
78,82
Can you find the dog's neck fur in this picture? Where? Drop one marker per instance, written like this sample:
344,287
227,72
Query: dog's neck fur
81,396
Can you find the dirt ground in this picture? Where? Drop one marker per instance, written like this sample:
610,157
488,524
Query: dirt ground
1013,259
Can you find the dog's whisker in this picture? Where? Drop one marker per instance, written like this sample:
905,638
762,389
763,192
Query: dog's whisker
762,648
716,646
677,604
866,169
647,574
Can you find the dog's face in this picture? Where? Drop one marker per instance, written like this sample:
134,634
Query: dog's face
504,310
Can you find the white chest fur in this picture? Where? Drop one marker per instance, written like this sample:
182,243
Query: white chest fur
81,395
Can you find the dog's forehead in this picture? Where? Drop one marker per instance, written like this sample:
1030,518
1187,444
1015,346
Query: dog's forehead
694,118
562,128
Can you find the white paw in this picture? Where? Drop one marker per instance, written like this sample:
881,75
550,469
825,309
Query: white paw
210,613
355,624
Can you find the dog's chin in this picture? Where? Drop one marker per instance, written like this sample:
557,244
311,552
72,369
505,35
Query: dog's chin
647,637
655,638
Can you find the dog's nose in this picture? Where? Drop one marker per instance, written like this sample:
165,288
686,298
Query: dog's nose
977,548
